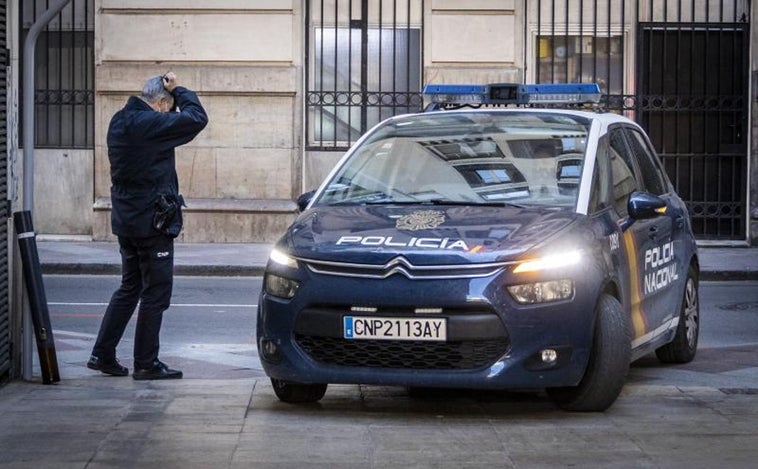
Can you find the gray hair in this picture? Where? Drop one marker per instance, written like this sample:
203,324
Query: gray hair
153,90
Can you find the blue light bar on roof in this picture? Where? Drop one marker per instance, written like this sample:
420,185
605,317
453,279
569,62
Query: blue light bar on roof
459,94
513,93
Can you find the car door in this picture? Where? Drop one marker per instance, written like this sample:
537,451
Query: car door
647,243
665,266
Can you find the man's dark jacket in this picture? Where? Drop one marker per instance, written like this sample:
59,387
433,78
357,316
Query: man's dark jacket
141,145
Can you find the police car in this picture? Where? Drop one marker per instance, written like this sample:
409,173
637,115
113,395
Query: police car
494,248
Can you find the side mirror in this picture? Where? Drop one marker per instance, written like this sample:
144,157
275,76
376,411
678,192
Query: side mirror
304,200
644,205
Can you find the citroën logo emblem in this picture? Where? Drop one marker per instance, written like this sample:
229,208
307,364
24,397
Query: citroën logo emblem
421,220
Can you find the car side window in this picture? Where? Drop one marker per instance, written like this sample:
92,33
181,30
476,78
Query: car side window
650,172
600,194
622,171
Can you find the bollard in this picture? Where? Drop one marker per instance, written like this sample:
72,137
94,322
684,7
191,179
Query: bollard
35,290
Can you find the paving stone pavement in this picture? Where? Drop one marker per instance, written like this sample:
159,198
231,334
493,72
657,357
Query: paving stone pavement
115,422
225,414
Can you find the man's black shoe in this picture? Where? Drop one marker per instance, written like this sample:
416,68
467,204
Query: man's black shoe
159,370
113,368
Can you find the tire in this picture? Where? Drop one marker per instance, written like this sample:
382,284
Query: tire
608,364
684,346
297,393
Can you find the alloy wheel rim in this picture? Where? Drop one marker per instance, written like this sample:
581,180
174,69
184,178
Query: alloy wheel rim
691,315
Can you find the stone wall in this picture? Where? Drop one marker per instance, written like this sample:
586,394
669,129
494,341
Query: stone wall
243,57
478,41
63,191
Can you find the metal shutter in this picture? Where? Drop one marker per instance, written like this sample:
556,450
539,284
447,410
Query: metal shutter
5,339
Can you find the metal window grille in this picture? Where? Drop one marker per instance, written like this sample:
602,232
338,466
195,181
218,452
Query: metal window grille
678,67
364,65
64,74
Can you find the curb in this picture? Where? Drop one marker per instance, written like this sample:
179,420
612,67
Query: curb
728,275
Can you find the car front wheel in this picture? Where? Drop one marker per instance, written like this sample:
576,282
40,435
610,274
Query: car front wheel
608,363
684,346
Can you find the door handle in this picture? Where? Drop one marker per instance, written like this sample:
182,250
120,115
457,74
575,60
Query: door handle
652,232
679,221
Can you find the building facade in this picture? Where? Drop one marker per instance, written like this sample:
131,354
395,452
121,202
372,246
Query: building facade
290,84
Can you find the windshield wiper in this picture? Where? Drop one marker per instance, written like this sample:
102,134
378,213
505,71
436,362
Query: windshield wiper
472,203
365,201
396,202
389,201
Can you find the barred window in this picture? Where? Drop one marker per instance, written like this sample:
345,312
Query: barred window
582,59
64,95
63,74
364,66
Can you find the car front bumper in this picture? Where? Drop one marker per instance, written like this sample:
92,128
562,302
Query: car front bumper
492,342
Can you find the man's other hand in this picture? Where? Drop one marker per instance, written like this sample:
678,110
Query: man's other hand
169,81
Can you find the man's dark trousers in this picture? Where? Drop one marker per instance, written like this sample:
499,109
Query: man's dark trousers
147,271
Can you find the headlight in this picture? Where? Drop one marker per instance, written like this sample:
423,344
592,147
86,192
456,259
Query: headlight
280,286
283,259
542,292
550,262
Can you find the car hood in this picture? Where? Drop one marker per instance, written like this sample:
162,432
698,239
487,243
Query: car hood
424,235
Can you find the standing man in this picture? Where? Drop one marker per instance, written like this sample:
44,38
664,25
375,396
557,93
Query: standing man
146,216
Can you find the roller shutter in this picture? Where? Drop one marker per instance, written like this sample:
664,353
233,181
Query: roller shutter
5,339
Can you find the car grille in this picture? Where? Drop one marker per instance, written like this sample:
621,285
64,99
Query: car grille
454,355
401,265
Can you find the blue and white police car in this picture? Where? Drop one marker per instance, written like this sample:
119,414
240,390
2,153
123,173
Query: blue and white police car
492,248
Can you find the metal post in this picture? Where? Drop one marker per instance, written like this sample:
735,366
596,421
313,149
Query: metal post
29,134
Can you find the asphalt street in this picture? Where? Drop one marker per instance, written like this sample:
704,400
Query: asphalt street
207,332
204,309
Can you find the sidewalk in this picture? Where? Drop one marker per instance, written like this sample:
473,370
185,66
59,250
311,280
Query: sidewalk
249,259
103,422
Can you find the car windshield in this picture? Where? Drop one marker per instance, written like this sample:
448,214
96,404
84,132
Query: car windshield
480,157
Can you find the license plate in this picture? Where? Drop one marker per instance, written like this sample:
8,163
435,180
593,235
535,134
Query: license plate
384,328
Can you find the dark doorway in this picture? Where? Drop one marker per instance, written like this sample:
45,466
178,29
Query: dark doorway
692,99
